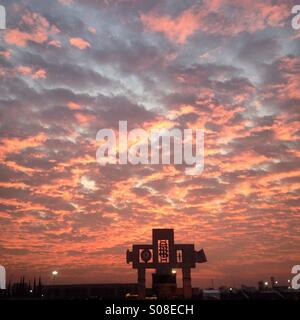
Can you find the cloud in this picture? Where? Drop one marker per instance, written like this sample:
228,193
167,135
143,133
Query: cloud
32,27
6,54
21,38
55,43
227,18
178,29
92,30
66,2
27,71
79,43
14,251
260,50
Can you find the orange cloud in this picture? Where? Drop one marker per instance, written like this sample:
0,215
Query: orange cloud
39,29
24,70
79,43
15,145
74,106
40,74
83,118
28,71
20,38
6,54
211,17
178,29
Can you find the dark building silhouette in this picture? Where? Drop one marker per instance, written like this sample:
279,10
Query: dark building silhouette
164,256
90,291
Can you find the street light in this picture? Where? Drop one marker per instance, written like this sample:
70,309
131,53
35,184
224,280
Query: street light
174,271
54,274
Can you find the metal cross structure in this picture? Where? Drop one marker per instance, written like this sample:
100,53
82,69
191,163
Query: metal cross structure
164,256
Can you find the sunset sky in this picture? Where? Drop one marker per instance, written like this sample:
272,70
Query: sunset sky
69,68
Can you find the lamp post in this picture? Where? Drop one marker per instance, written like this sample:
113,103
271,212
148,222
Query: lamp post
54,274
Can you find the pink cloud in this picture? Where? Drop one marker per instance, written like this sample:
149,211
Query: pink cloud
24,70
38,30
20,38
79,43
178,29
92,30
40,74
34,74
55,43
6,54
73,105
212,18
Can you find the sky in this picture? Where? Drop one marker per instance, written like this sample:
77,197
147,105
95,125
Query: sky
69,68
